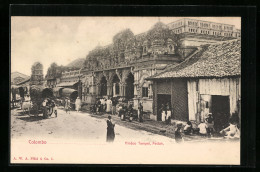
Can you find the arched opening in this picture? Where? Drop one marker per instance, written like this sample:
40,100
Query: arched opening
103,84
130,86
47,92
74,95
115,81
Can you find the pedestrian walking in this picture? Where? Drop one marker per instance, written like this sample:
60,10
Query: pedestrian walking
140,111
77,104
110,130
55,109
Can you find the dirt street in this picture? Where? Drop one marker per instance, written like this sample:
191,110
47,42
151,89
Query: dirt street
80,138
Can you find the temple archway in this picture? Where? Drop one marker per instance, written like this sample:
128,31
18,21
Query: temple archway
103,84
129,86
116,88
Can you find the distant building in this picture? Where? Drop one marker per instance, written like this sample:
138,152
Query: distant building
17,77
37,74
120,69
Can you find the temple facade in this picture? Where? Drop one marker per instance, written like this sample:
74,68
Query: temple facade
119,69
37,74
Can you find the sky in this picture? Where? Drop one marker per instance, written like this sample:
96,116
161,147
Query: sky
64,39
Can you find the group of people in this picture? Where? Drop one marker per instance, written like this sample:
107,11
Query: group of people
49,104
67,104
206,128
122,113
105,105
166,113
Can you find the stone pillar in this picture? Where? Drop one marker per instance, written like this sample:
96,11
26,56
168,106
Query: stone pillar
80,89
135,90
109,89
98,88
122,89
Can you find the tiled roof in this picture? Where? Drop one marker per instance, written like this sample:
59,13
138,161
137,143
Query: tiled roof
216,60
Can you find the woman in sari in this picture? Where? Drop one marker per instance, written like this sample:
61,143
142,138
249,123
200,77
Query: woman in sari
110,130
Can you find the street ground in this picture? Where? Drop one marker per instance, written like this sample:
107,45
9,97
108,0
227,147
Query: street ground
79,133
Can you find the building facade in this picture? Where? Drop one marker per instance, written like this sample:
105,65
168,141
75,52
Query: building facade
37,74
207,82
120,69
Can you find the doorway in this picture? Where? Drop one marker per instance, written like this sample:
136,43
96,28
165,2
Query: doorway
162,99
115,81
130,86
220,111
103,82
21,92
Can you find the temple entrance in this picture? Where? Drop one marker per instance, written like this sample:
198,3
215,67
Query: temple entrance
130,86
162,99
103,85
220,111
115,90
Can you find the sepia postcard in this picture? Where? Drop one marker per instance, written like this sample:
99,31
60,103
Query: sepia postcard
125,90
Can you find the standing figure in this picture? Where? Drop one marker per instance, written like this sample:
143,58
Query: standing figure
168,114
102,101
163,113
130,112
67,105
110,130
78,104
55,110
178,135
114,103
109,106
140,111
98,107
44,108
210,124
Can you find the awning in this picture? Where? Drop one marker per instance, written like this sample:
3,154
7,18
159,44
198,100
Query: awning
68,92
57,91
66,84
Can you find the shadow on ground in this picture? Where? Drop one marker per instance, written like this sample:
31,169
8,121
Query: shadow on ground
31,118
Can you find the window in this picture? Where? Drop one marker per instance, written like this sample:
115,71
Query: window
117,88
145,92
